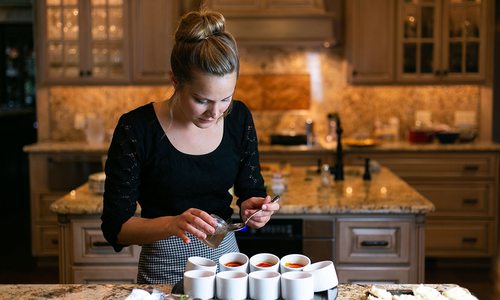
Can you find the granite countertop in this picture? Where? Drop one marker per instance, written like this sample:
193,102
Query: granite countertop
83,147
121,291
385,193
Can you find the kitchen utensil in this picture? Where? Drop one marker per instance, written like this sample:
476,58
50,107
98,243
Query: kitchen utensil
240,226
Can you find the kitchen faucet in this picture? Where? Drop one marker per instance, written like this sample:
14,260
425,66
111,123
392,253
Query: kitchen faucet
338,168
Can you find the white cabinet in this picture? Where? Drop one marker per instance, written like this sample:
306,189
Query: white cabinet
51,176
88,258
463,186
380,249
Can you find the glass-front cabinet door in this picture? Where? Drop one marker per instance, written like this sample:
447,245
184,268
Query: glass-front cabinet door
85,41
419,39
464,38
441,40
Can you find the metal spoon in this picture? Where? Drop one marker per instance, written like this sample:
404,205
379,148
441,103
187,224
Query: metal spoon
240,226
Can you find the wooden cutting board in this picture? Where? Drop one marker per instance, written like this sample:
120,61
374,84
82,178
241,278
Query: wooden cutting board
274,92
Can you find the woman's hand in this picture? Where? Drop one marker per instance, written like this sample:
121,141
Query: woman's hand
195,221
253,204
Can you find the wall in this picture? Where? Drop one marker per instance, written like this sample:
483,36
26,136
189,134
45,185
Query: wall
359,106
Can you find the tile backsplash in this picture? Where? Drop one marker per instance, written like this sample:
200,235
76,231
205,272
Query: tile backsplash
359,106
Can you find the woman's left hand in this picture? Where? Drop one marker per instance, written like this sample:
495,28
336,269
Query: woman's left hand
253,204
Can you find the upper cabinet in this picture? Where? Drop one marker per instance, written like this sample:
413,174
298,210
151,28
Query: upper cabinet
279,22
83,41
104,41
153,24
370,36
434,41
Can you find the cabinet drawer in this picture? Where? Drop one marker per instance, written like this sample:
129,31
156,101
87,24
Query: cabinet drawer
317,228
373,275
373,241
460,199
319,249
91,247
434,165
46,240
105,274
459,238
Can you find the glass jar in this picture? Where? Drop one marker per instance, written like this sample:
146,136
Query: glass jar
214,240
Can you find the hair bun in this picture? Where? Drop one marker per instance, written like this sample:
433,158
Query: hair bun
196,26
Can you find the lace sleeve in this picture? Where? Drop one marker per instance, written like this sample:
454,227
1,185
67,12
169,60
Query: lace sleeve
122,182
249,182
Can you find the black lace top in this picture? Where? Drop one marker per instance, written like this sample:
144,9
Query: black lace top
144,167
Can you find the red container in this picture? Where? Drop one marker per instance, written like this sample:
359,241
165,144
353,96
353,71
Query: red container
421,136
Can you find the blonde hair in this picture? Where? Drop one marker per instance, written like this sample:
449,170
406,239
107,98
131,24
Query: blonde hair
202,43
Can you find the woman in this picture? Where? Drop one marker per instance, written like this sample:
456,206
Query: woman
178,158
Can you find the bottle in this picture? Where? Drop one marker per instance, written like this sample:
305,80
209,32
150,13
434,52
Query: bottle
394,125
309,128
331,136
278,184
325,182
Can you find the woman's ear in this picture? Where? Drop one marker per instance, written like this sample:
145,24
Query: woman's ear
172,78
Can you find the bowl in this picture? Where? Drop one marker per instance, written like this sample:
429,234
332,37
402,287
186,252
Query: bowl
264,261
293,262
467,135
447,137
421,136
324,275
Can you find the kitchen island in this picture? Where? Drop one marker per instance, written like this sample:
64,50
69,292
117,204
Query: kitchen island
461,180
121,291
373,230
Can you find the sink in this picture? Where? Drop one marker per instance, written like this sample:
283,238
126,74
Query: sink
288,139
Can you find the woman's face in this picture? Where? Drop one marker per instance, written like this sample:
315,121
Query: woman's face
205,99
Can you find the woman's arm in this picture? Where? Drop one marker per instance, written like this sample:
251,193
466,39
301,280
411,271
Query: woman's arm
253,204
140,231
249,185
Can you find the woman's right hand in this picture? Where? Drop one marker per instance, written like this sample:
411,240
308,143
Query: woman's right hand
195,221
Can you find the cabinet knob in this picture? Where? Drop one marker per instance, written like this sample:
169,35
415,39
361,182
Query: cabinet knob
88,73
438,72
445,72
354,72
82,73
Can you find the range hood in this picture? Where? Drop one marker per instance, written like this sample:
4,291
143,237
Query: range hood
278,22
